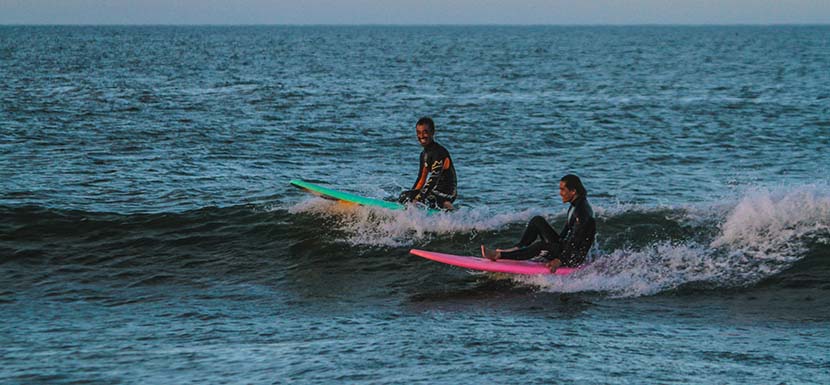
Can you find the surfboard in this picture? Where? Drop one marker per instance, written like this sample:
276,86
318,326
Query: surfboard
342,196
500,266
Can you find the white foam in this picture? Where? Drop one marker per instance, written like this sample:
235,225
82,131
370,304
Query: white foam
626,273
368,226
762,235
765,224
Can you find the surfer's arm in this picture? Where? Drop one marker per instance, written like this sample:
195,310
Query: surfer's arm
411,195
422,174
578,241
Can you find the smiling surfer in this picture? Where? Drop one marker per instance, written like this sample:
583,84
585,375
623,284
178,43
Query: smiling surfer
566,249
436,183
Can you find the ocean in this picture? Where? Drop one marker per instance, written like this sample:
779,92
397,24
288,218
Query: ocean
148,233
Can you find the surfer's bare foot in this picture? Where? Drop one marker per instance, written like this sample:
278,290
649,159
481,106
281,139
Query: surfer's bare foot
489,254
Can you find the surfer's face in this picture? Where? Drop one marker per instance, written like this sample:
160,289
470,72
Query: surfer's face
566,193
424,135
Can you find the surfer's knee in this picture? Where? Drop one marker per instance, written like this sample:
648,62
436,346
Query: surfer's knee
538,220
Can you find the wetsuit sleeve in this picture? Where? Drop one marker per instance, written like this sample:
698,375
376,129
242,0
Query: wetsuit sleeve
566,231
422,173
578,240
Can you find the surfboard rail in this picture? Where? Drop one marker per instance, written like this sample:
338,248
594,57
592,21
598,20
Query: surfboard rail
332,194
500,266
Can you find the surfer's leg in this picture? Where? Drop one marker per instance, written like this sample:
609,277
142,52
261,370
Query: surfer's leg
441,201
525,252
528,247
538,227
490,254
554,251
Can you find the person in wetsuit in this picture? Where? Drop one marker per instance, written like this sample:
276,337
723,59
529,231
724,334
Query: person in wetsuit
436,183
567,248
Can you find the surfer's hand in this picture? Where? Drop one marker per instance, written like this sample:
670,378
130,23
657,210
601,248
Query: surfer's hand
554,264
406,196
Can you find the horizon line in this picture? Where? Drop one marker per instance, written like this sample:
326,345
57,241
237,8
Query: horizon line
410,25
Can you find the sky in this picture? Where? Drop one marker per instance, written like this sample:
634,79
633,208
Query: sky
564,12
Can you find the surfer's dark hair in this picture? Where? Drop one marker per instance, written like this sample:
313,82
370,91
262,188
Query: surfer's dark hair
425,121
572,182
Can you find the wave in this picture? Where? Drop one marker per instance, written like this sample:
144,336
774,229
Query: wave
640,250
376,227
763,237
764,234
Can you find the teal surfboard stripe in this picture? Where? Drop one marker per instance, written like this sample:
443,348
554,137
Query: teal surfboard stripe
347,197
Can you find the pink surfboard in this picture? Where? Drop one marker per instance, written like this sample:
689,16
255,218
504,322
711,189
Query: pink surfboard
500,266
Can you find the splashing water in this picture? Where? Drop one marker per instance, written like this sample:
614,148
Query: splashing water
369,226
764,234
761,235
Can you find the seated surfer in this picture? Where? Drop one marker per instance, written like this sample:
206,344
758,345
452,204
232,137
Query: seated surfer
436,183
567,248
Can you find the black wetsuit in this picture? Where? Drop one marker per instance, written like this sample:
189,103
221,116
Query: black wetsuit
571,246
436,181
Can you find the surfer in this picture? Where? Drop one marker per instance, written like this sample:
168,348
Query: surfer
436,183
567,248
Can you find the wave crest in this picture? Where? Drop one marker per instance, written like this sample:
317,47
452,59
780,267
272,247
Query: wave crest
715,245
761,236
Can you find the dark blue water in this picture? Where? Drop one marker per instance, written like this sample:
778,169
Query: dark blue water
148,233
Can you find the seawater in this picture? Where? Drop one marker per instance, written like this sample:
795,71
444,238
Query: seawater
148,233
